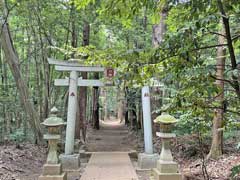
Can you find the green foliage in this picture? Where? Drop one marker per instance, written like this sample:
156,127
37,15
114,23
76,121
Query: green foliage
18,135
235,171
190,123
81,4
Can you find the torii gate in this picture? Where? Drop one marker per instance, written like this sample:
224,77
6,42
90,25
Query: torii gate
73,82
68,159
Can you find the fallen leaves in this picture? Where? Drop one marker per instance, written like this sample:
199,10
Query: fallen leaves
20,160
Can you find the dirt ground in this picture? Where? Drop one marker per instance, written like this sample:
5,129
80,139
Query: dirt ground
24,161
113,136
21,161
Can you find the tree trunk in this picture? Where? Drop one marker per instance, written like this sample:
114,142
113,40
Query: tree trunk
95,112
82,105
126,112
45,77
89,105
140,117
159,29
234,64
81,131
13,62
217,133
8,124
120,109
38,96
106,116
27,68
157,38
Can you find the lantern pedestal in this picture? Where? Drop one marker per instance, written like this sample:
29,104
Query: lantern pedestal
53,172
52,169
56,177
166,169
166,176
167,166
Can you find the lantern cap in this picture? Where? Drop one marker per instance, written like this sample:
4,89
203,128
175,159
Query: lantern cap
166,119
54,110
53,120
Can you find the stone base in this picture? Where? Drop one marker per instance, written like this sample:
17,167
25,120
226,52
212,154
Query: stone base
167,166
70,162
52,169
166,176
63,176
147,161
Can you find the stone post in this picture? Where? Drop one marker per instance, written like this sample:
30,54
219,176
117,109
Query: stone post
147,159
147,121
72,112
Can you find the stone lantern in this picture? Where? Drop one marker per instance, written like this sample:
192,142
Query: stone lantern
166,167
52,170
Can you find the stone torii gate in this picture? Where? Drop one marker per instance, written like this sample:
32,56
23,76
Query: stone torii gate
69,159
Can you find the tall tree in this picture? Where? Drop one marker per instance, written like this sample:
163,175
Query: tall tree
83,90
217,131
95,112
160,29
225,19
157,38
106,113
120,107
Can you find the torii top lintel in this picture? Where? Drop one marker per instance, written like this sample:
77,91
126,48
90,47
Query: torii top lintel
74,66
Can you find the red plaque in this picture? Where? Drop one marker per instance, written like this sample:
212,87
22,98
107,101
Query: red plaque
110,72
72,94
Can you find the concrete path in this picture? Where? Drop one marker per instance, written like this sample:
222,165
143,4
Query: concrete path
110,146
109,166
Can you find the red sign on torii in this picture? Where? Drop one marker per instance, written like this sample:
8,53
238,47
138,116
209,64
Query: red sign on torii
109,73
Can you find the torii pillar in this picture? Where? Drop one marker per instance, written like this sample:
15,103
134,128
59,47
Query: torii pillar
70,160
72,112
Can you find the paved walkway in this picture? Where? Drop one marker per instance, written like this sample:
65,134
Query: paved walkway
110,146
109,166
